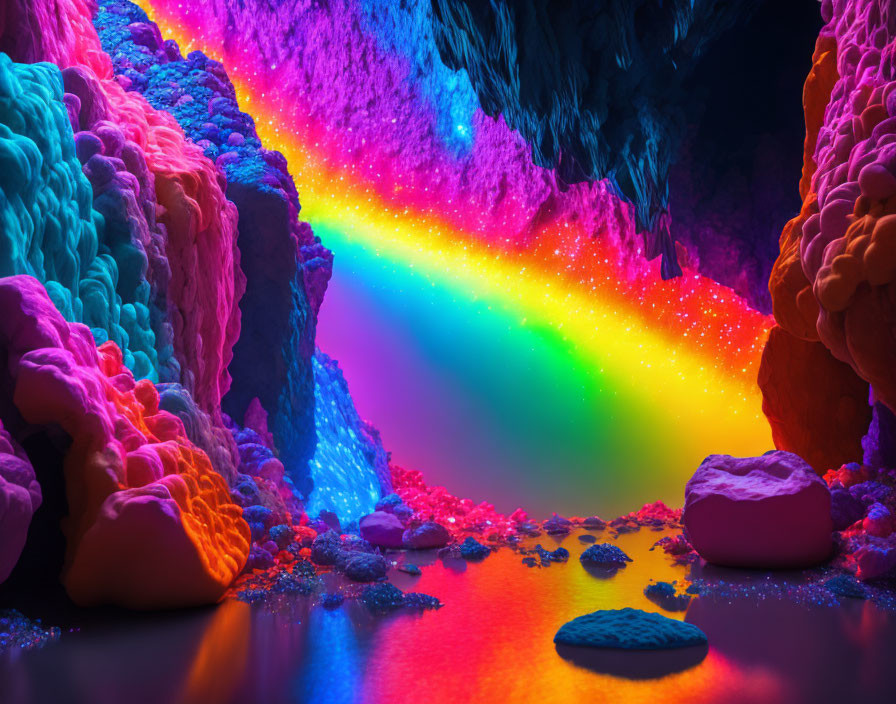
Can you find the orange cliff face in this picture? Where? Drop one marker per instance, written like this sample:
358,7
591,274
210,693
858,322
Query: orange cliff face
831,283
151,524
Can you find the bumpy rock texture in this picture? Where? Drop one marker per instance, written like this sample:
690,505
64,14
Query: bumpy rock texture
50,230
833,281
132,179
286,266
768,511
629,629
151,523
159,272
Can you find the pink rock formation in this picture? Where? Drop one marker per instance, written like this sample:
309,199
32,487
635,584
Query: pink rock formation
151,524
426,536
20,497
770,511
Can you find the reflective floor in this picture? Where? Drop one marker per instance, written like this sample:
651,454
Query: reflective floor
491,642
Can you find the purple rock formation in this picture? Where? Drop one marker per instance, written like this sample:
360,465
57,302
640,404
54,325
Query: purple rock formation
768,511
20,497
426,536
382,529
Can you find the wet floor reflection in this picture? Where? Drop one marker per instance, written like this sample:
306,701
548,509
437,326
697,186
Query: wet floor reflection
493,641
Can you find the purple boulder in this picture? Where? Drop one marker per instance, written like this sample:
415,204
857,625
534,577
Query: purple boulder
382,529
426,536
769,511
19,498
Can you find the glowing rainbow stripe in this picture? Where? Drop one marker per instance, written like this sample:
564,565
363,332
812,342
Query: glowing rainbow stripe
688,347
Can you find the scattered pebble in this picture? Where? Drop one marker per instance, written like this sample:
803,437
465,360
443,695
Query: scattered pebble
19,632
604,555
472,549
663,594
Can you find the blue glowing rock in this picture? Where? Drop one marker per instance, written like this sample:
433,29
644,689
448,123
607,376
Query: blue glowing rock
259,559
293,584
594,523
561,554
604,555
20,633
415,601
258,514
366,567
629,629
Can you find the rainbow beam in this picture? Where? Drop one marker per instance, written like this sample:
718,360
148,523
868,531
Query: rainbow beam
680,355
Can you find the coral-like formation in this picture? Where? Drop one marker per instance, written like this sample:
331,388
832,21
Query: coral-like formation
287,268
127,211
50,230
20,497
315,428
132,477
768,511
185,267
834,277
629,629
863,509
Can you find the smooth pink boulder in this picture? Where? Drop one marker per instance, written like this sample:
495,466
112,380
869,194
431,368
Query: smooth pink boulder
771,511
20,497
382,529
427,536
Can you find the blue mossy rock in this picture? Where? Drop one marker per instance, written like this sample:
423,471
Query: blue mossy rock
366,567
629,629
472,549
605,554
